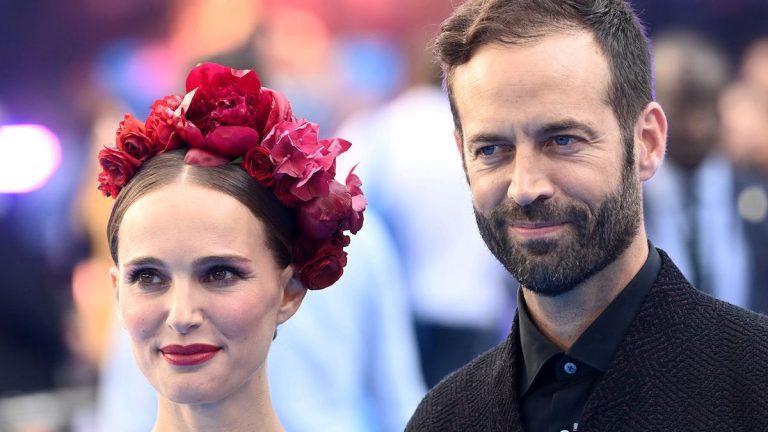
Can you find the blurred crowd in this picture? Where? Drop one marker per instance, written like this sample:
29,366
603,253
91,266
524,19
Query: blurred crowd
421,295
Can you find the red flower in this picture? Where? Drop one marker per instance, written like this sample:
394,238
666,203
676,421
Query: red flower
324,267
132,139
204,158
283,190
258,165
161,124
320,218
118,168
355,221
273,108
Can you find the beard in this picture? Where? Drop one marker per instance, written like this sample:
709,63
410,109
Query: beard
596,235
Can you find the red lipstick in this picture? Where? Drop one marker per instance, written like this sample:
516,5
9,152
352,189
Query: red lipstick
189,355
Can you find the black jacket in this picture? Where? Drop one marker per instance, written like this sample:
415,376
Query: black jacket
688,363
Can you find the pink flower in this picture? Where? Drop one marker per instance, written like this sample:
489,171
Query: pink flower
355,220
298,153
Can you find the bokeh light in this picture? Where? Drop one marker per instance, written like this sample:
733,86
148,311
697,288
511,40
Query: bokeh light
29,155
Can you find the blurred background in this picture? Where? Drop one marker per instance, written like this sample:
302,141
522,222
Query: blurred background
433,296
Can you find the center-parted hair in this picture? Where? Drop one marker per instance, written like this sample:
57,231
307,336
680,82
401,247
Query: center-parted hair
613,23
169,168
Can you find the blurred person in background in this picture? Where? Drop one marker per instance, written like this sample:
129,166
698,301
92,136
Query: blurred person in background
690,205
744,135
417,187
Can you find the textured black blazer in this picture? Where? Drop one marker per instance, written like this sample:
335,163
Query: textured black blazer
687,363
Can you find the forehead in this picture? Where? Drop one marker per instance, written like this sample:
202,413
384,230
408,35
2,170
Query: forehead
186,219
562,71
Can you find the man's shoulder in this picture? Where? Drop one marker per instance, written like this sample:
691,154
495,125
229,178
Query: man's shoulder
469,392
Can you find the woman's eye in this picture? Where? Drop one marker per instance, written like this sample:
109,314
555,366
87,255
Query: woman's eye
221,274
147,278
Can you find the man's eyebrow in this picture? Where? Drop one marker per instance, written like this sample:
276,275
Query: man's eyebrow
483,138
565,125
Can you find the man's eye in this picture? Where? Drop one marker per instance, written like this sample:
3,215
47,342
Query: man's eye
562,140
488,150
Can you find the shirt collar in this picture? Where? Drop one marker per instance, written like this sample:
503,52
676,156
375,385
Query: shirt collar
600,340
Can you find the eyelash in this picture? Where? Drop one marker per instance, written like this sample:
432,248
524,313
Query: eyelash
206,276
237,274
551,140
135,275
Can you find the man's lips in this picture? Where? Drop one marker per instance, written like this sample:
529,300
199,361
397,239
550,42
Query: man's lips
189,355
535,229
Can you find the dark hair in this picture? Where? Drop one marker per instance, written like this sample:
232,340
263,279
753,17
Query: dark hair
167,168
617,30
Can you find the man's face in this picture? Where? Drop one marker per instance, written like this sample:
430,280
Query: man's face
544,155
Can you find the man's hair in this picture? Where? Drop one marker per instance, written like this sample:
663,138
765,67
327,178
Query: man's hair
615,26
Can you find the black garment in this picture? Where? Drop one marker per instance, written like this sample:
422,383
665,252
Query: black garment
553,386
688,362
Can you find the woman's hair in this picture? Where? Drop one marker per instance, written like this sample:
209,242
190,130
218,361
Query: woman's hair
168,168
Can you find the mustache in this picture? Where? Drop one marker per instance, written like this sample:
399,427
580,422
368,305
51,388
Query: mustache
538,212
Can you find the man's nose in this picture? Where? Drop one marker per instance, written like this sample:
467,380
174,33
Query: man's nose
530,177
184,314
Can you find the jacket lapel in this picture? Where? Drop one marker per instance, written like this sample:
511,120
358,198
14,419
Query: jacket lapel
630,389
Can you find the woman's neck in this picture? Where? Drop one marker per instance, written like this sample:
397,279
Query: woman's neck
248,409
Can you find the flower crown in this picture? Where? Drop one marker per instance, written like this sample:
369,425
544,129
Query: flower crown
228,117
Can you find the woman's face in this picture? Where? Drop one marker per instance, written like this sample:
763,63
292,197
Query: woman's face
199,292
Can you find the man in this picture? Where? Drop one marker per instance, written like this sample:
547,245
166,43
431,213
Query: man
556,123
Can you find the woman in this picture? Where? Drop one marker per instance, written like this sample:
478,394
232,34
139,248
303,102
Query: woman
227,211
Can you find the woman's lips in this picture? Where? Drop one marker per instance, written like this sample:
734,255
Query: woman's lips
189,355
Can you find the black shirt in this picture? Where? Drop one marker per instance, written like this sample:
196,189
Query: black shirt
553,386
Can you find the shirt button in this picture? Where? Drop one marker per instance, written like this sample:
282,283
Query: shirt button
570,368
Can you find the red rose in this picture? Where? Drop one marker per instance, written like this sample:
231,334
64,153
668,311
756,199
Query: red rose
118,168
132,139
324,268
282,190
321,217
258,165
106,187
161,124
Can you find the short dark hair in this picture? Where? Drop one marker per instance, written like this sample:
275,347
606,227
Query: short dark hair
168,168
616,28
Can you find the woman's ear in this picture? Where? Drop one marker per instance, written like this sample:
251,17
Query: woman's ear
293,295
114,276
650,140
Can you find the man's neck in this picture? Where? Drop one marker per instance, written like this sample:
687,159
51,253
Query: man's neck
562,319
